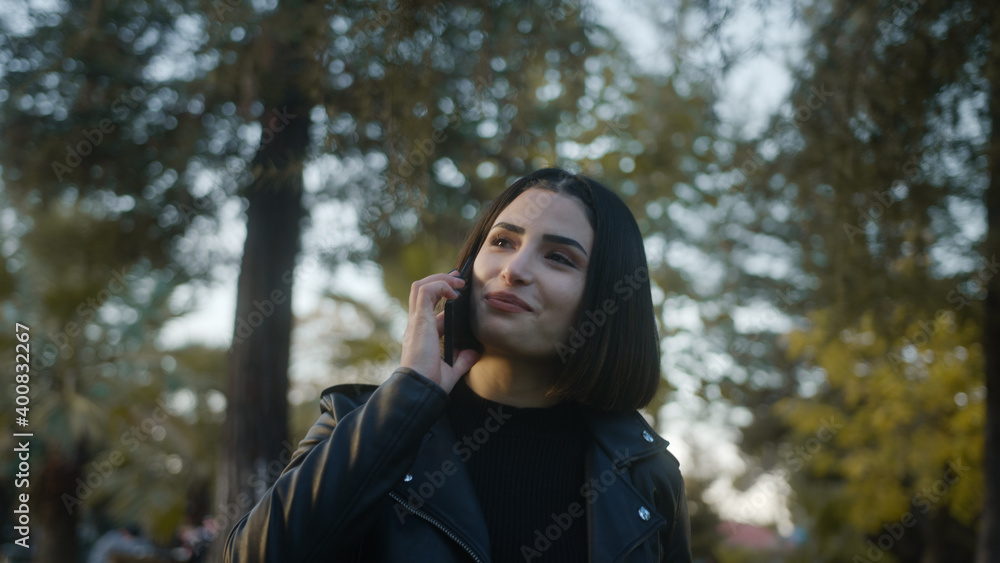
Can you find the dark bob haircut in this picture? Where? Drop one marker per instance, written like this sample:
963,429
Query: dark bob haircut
611,357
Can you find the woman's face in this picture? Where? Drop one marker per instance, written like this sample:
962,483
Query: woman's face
529,276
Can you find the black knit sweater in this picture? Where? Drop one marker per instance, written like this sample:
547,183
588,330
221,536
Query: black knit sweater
527,473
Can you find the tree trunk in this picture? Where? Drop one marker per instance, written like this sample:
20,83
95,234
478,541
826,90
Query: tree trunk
257,414
58,478
989,536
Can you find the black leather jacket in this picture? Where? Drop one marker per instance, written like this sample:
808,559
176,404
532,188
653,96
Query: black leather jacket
344,495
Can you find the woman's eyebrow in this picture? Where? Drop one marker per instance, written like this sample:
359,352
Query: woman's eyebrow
546,237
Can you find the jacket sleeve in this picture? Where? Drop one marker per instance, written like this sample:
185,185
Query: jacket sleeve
676,539
670,499
319,505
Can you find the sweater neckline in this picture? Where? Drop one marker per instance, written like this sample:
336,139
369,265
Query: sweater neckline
467,405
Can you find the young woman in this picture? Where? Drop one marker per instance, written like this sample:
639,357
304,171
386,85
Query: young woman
529,447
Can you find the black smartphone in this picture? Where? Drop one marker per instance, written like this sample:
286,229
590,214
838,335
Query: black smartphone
456,310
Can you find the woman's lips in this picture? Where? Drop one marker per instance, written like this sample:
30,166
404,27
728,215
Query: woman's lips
506,302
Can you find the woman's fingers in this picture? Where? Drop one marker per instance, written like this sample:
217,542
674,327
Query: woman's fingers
421,340
429,295
428,291
450,281
465,360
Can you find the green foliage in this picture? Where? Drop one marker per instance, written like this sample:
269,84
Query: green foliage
904,422
870,191
136,421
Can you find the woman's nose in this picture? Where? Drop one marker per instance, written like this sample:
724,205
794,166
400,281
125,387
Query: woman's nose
517,270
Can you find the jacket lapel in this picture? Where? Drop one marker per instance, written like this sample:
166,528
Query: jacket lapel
442,483
619,517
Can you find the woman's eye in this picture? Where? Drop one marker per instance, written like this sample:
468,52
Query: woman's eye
497,240
563,258
560,257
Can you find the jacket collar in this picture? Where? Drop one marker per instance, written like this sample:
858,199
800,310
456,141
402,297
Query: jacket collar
619,517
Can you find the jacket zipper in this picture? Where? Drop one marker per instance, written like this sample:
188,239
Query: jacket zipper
437,524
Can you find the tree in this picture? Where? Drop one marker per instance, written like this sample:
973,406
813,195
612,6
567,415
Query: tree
99,205
872,184
278,69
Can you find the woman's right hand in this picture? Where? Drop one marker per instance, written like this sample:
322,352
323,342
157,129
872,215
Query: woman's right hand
421,340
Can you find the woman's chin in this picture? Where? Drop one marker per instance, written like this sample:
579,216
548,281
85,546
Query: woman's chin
512,343
501,341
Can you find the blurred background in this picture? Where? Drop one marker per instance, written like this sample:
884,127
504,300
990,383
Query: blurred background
212,210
